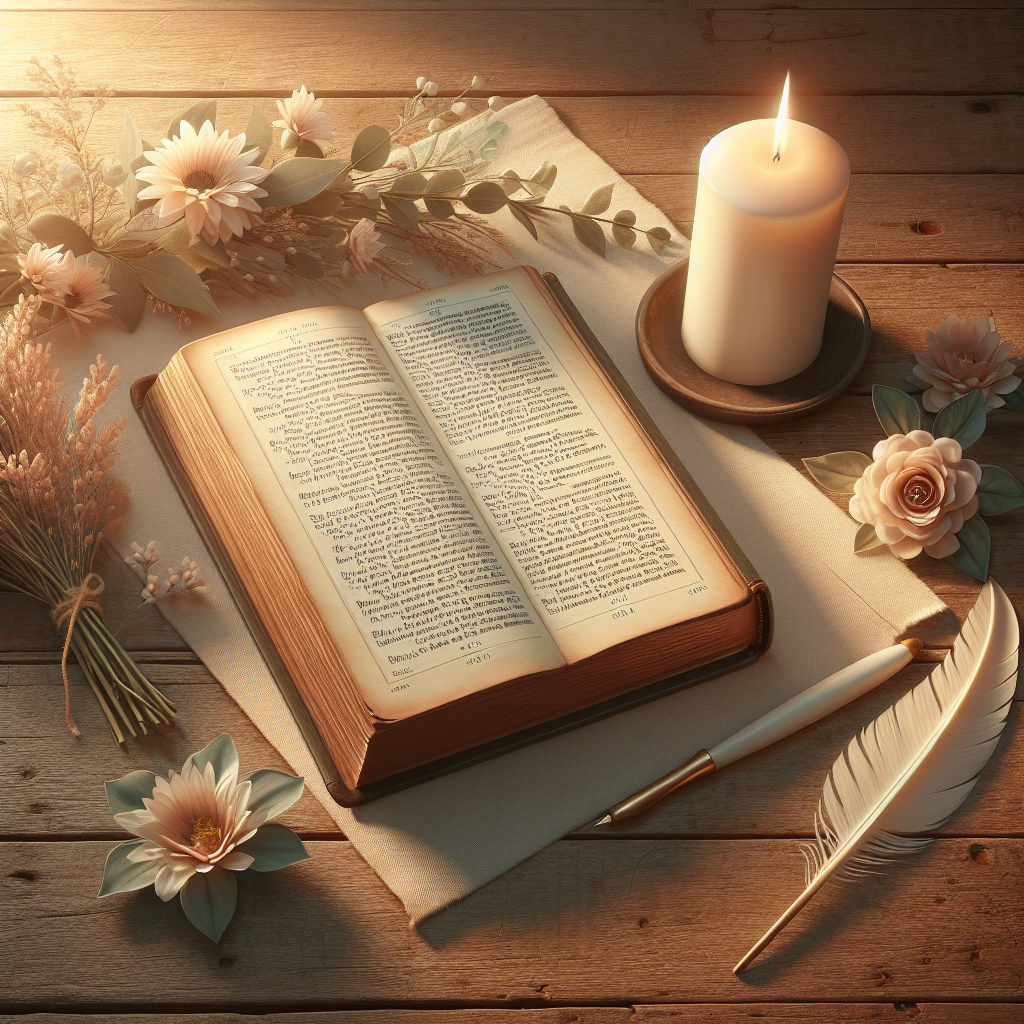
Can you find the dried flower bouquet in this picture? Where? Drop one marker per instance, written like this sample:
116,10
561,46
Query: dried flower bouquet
199,213
57,500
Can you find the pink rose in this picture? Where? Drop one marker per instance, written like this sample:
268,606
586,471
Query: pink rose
917,493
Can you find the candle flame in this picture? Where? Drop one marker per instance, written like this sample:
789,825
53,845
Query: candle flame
781,123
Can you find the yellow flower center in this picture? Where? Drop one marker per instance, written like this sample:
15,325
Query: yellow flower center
205,836
201,181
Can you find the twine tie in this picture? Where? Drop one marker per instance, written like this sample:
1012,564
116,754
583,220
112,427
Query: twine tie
77,599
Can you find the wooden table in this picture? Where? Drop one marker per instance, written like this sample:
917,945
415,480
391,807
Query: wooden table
644,926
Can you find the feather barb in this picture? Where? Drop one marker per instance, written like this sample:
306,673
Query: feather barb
915,764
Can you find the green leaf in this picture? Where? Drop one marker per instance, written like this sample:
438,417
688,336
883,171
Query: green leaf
838,471
274,847
998,491
1014,400
402,211
963,419
122,875
590,234
129,150
975,549
371,148
866,539
448,180
10,291
896,410
129,298
310,149
209,900
623,235
258,134
305,263
545,175
410,183
221,753
52,229
627,217
169,278
326,204
197,115
523,217
126,793
214,254
510,183
273,791
658,238
599,201
485,197
298,179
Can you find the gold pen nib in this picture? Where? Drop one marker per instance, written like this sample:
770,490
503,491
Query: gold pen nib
606,820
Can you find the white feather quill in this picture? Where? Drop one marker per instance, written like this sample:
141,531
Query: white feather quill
915,764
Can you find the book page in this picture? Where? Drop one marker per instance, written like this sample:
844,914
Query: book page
600,536
403,569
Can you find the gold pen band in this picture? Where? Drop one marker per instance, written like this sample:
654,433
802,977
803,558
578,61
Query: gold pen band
700,764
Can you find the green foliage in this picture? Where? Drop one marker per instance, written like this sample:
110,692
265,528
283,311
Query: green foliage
838,471
122,875
371,148
129,298
274,847
259,134
975,549
897,412
998,491
963,419
590,233
126,793
196,115
866,539
209,901
168,278
599,200
52,229
298,180
485,197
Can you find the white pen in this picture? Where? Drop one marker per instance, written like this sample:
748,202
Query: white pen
806,707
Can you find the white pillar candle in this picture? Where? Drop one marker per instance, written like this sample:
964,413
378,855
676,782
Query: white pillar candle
765,238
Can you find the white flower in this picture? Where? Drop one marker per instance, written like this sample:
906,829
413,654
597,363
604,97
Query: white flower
83,300
918,493
496,103
204,823
113,172
144,556
436,125
963,357
477,83
460,109
421,82
72,177
363,246
431,88
207,178
303,117
49,271
25,164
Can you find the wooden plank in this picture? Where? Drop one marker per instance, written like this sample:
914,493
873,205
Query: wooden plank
665,134
673,917
774,793
694,1013
41,758
898,218
651,51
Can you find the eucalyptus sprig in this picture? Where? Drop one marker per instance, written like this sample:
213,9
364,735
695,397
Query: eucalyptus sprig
426,185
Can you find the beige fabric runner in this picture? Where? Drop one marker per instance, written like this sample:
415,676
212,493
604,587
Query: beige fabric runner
438,842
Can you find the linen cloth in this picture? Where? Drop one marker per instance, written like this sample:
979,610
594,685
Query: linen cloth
440,841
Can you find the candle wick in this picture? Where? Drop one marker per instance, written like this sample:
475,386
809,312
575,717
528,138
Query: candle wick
777,157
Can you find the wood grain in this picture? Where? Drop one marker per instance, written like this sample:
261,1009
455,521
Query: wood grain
897,218
772,793
671,915
666,51
694,1013
665,134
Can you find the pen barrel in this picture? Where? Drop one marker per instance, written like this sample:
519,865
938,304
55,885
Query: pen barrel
700,764
814,703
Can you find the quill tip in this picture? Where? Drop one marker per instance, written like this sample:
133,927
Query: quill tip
914,645
606,820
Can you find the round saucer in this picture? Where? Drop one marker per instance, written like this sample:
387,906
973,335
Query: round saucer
843,351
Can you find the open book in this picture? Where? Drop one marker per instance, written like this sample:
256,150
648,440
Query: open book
446,522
